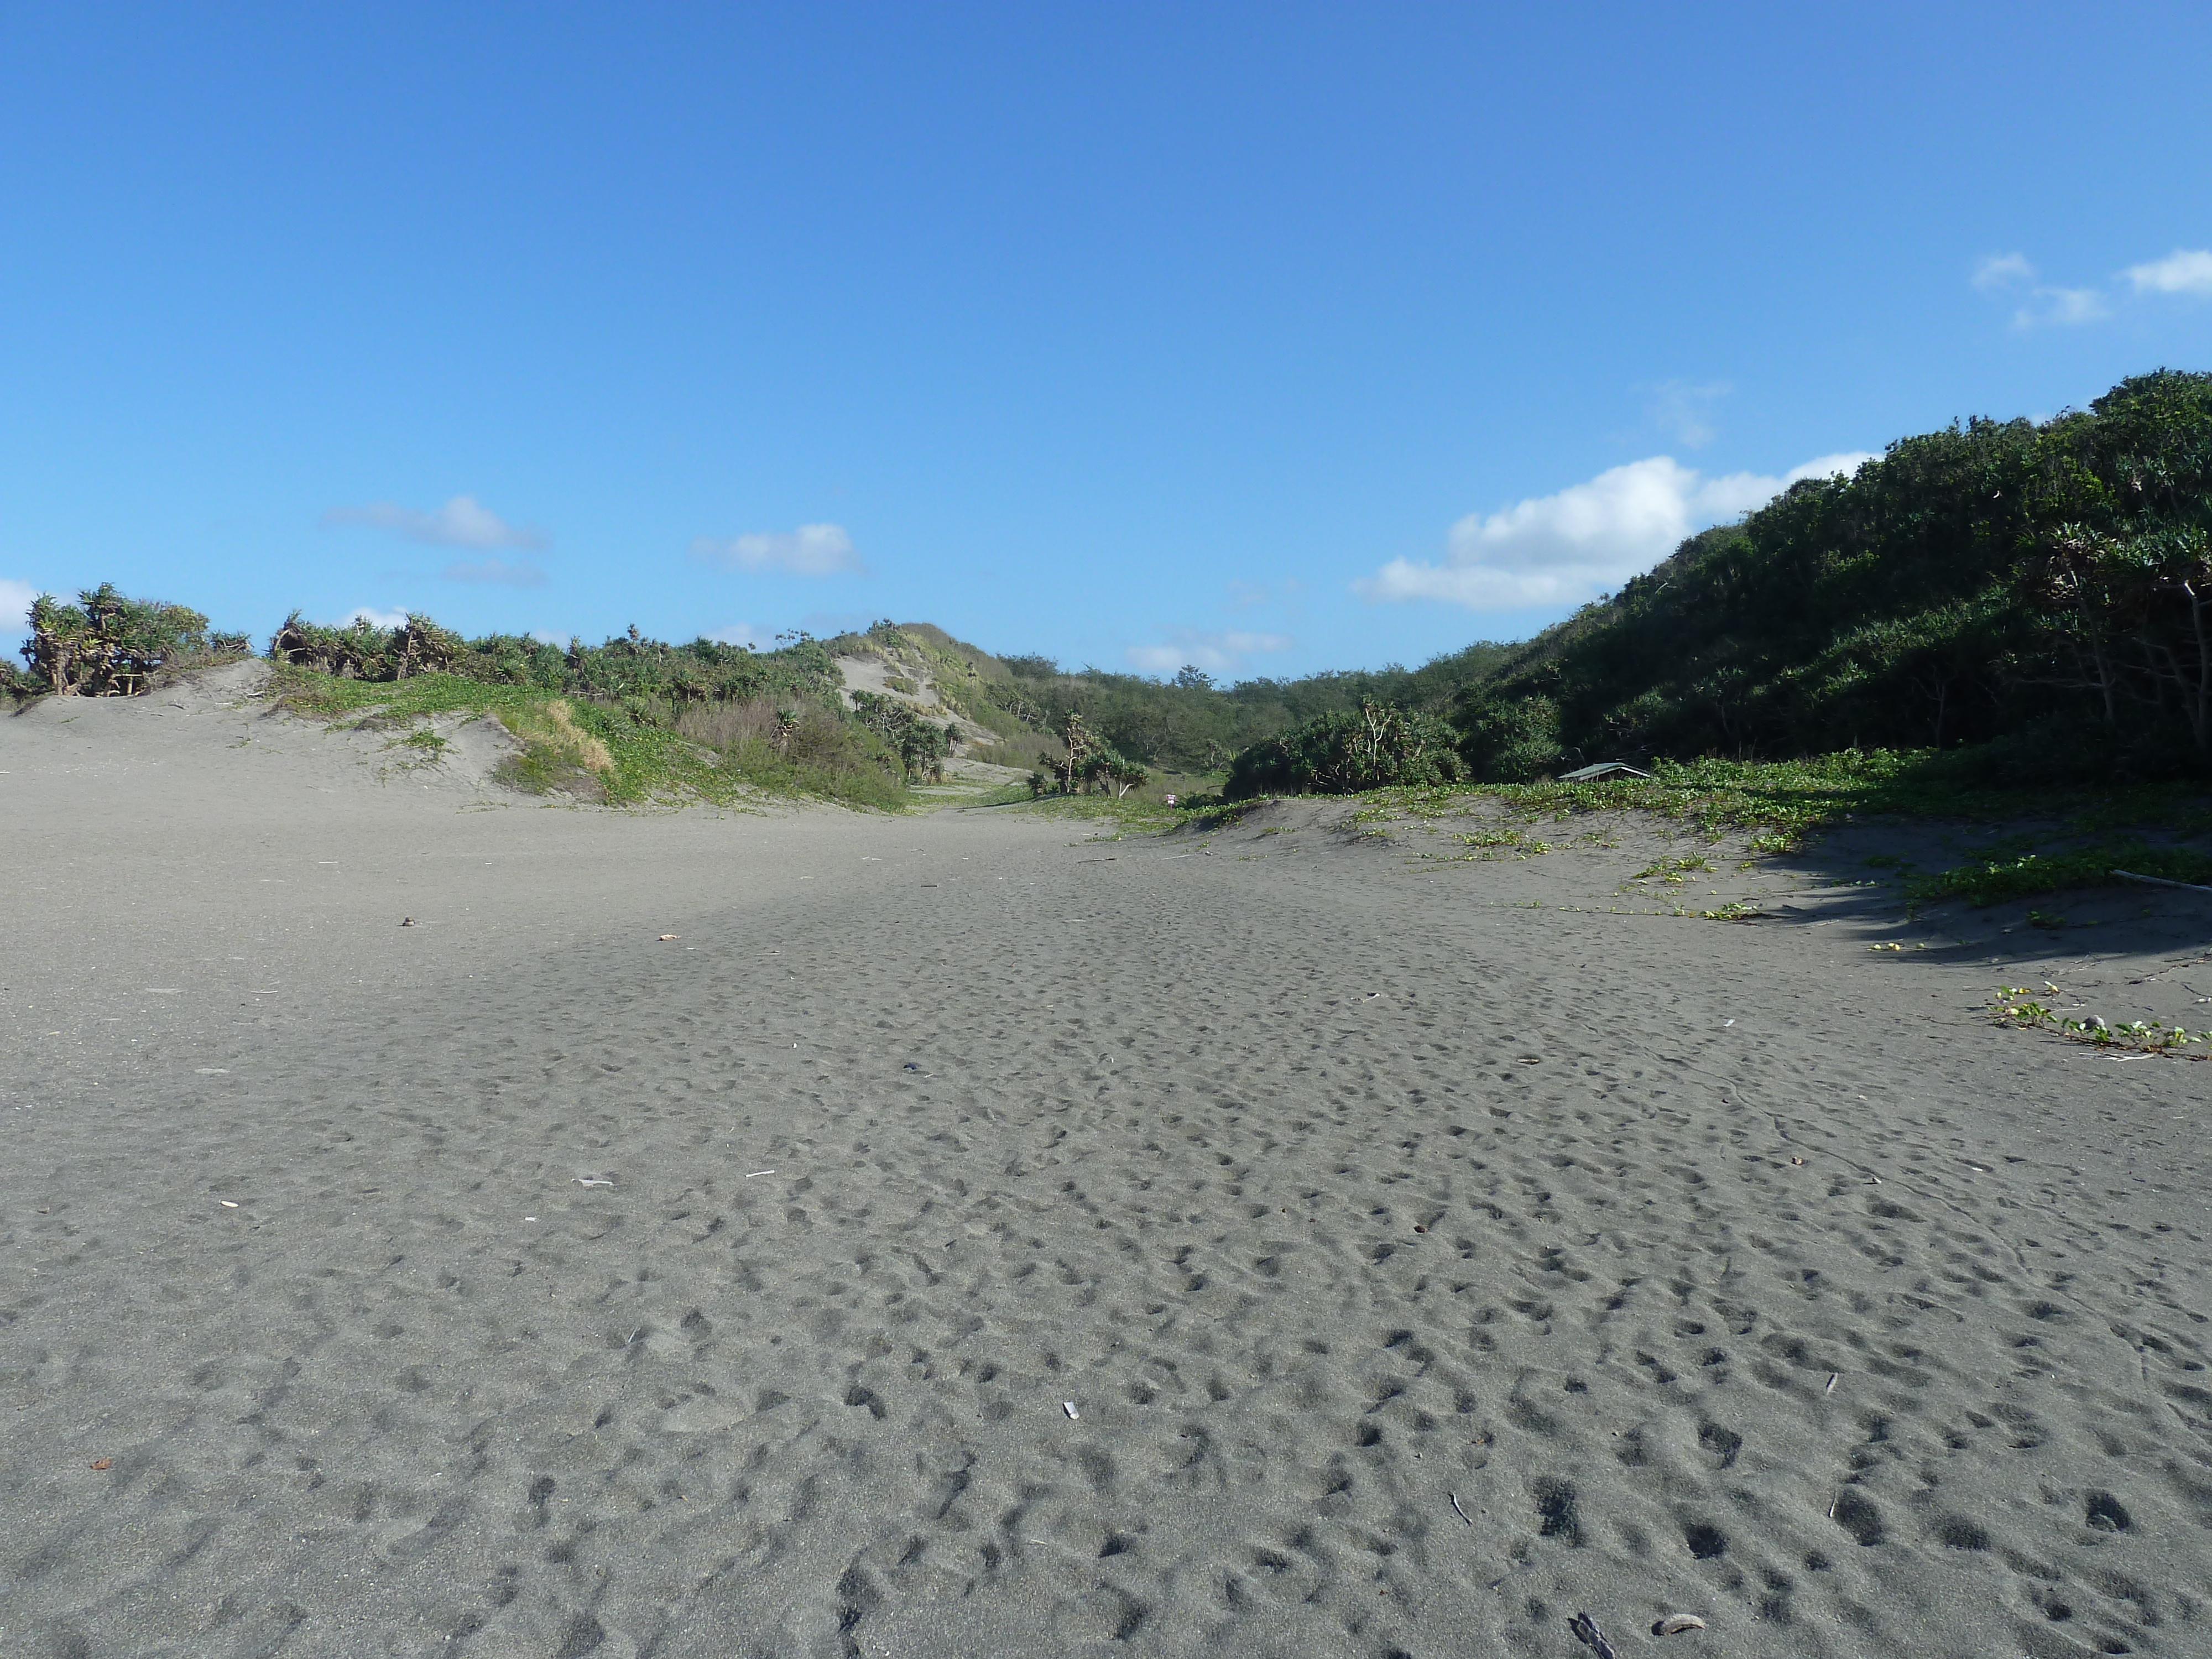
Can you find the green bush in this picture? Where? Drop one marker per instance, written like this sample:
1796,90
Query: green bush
920,744
1373,747
364,652
1084,762
1508,740
106,645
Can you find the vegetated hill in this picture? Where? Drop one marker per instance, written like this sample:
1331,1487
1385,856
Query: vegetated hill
2042,590
1188,724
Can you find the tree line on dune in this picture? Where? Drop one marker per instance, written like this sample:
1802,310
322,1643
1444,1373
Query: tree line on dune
2037,596
2029,601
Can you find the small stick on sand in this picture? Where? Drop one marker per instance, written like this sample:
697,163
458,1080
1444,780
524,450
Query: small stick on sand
1831,1389
2160,881
1456,1507
751,1174
1587,1633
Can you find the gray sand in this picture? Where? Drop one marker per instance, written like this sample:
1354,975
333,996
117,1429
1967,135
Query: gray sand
586,1292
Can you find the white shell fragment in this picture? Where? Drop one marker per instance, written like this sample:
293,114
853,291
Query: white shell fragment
1675,1623
1068,1406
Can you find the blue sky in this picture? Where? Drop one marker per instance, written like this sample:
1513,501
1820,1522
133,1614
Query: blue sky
1272,338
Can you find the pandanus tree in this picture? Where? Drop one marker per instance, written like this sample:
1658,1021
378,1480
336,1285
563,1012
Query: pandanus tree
106,645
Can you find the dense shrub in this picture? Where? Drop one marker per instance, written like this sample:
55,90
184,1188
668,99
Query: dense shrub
626,667
1508,740
921,744
361,651
1084,762
106,645
1191,724
1371,747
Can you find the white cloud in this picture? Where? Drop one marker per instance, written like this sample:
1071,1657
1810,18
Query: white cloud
375,619
1253,596
2184,271
2045,305
2063,306
15,618
1680,409
1554,551
461,522
15,599
1222,653
550,636
521,574
741,633
813,549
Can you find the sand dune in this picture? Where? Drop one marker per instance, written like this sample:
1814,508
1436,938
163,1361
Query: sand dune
965,1237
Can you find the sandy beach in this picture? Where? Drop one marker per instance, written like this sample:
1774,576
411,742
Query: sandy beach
967,1236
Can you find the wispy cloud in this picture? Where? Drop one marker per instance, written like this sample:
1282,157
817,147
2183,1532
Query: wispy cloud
2184,271
373,617
813,549
1683,411
2043,306
1563,548
1217,653
2062,307
462,522
550,636
1253,596
743,634
522,574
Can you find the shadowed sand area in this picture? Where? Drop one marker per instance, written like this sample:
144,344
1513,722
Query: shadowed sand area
587,1292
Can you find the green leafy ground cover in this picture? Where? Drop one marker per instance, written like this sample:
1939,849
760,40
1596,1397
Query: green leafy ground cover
2021,1006
2073,840
1992,881
596,750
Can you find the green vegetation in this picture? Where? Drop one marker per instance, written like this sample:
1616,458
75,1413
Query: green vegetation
632,720
1193,725
2000,619
2043,593
2000,606
107,645
921,744
1992,881
1084,762
1786,800
2020,1006
619,752
655,678
1375,746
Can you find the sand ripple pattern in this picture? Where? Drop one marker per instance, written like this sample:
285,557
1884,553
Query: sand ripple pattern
1327,1191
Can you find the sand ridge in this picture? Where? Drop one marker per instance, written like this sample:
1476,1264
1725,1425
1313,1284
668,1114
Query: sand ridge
1424,1268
